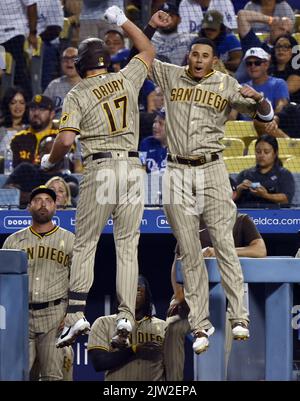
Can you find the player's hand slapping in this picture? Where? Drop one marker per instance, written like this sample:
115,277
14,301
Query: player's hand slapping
114,15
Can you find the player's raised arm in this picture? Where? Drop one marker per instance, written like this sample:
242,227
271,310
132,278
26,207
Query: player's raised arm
115,15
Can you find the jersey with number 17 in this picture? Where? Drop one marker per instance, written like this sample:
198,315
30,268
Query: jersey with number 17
103,109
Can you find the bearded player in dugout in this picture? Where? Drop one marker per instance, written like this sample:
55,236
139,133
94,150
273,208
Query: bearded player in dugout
198,100
103,108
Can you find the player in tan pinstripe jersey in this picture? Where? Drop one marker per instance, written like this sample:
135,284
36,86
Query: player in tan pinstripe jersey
103,108
49,249
198,100
141,362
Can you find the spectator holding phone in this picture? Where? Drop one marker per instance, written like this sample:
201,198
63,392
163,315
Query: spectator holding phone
268,182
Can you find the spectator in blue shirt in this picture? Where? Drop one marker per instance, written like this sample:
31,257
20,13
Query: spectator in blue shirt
154,148
274,89
268,182
228,46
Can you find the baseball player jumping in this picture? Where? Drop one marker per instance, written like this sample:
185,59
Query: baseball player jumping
49,249
198,100
103,108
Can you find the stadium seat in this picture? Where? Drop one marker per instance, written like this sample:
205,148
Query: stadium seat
237,164
240,129
233,147
9,197
297,36
287,147
297,22
292,164
3,179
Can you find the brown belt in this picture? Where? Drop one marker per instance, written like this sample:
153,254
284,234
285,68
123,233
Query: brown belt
199,161
109,155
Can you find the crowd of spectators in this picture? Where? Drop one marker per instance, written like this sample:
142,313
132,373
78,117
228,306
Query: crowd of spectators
256,42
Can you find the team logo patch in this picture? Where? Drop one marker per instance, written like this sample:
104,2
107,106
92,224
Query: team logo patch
100,61
38,98
64,117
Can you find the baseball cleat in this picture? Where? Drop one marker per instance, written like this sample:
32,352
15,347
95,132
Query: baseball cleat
201,342
120,339
70,333
240,331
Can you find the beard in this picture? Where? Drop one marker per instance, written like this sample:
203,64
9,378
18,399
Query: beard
42,216
38,125
169,30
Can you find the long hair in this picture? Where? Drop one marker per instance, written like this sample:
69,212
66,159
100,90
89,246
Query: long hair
66,186
271,140
7,98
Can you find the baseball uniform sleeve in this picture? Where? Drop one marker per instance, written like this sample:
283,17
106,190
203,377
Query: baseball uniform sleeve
160,72
9,243
71,115
136,71
98,336
242,104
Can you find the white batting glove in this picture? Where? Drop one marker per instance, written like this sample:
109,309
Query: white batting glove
114,15
45,164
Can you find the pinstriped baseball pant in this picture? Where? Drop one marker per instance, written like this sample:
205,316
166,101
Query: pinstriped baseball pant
107,190
187,193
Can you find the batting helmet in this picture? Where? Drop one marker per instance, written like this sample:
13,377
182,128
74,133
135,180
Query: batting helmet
92,54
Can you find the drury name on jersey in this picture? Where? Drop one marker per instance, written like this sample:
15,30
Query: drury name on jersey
198,95
108,88
48,253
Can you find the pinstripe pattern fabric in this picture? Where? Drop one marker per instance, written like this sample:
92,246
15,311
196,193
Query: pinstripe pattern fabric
104,109
89,224
49,259
144,331
174,349
196,114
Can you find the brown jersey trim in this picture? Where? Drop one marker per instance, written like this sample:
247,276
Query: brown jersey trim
142,62
69,129
96,74
47,234
191,76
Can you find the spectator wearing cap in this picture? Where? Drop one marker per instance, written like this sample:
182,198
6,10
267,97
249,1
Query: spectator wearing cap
25,144
274,89
59,87
154,148
193,11
26,176
168,42
228,46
